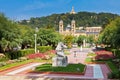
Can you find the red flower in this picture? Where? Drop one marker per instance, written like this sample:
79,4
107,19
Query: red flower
36,55
104,54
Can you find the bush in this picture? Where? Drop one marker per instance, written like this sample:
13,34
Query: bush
108,48
26,52
20,53
114,75
2,64
44,48
116,52
3,57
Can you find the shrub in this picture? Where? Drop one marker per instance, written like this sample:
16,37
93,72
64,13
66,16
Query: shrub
44,48
26,52
2,64
3,57
116,52
20,53
22,58
114,75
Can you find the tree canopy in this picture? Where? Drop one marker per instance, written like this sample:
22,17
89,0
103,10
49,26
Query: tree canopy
82,19
9,34
111,34
14,35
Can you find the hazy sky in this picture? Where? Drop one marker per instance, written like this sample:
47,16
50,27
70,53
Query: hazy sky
24,9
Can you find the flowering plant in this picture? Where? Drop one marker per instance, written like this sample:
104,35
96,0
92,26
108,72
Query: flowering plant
46,55
104,55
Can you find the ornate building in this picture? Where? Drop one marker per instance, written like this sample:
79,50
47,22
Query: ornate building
71,29
72,11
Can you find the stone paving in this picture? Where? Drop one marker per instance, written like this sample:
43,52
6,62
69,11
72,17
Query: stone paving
76,56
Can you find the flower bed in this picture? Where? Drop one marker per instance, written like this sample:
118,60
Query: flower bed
104,55
46,55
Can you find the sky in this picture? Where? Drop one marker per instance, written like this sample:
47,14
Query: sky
25,9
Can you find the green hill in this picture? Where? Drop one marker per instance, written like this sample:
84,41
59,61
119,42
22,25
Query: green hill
81,18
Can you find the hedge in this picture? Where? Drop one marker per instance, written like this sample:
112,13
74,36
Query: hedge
20,53
25,52
44,48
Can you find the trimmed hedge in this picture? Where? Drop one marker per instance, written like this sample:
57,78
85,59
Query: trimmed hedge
44,48
20,53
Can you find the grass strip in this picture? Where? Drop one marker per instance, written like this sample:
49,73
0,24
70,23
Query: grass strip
14,64
69,68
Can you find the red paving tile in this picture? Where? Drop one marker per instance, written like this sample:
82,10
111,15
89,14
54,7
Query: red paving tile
105,70
89,71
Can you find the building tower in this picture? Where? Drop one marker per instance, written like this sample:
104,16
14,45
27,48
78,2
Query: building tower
73,27
61,26
72,11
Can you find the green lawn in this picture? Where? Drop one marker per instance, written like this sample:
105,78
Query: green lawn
69,68
88,60
21,63
14,64
91,54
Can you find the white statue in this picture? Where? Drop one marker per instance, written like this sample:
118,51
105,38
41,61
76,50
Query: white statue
60,48
60,59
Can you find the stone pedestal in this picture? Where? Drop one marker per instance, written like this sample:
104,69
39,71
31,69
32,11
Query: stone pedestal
59,61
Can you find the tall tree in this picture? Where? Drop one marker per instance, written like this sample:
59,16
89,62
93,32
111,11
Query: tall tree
9,33
48,37
111,34
68,39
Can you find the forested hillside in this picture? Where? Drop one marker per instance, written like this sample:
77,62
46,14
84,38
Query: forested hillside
81,18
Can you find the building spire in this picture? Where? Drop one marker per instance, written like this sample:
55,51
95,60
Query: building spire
72,11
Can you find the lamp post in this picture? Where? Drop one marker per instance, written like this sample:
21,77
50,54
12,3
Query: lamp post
36,30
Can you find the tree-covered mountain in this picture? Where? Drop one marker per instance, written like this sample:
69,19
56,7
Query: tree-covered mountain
81,18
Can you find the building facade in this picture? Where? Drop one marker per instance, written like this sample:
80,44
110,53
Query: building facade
71,29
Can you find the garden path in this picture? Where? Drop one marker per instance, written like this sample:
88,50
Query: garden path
93,72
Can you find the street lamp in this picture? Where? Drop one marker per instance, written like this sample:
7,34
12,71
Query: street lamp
36,30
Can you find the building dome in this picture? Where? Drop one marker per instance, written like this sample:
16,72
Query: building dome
68,26
73,21
61,21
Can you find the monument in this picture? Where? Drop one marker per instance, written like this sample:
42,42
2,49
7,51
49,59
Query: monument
60,60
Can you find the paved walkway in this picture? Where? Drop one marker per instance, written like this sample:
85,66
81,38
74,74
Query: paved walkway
78,56
93,71
23,69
